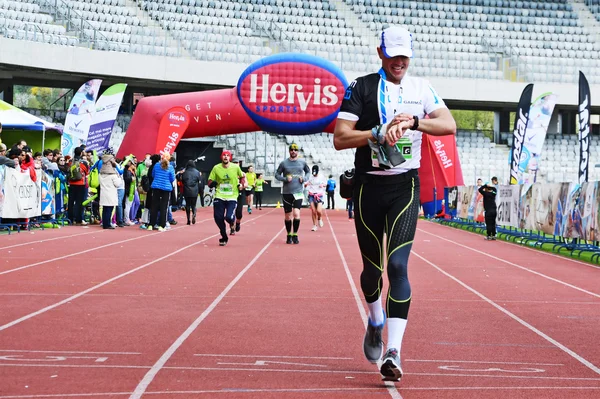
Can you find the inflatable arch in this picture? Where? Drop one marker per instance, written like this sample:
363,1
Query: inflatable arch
293,94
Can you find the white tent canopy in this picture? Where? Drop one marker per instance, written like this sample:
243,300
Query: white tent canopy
12,117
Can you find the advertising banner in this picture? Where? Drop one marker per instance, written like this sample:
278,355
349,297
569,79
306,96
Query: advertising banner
584,127
535,135
22,196
107,108
172,127
80,116
47,185
519,132
507,201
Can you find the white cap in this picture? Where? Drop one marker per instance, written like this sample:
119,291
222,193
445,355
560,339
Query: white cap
396,41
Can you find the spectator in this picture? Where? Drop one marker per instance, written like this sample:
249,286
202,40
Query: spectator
4,160
191,187
162,185
109,181
330,193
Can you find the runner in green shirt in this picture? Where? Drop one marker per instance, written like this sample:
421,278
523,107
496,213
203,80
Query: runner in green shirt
251,178
259,190
225,179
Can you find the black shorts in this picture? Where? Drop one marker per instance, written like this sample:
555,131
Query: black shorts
249,191
290,201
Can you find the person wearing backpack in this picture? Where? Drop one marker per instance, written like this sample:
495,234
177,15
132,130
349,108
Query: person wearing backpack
77,179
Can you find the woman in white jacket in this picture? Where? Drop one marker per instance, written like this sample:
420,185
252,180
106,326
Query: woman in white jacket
109,181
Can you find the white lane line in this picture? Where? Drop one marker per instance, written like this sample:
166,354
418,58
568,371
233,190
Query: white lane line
143,385
80,252
517,266
275,357
50,239
296,371
76,352
482,362
537,251
554,342
358,299
73,297
228,392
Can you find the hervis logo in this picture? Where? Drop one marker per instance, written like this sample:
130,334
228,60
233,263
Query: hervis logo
292,93
176,117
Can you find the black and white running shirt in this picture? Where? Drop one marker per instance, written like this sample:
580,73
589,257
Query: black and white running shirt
371,100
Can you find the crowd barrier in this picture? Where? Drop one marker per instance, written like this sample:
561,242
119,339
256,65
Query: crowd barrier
25,203
559,217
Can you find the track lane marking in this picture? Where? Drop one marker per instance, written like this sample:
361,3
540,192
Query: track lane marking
50,239
517,266
579,262
160,363
554,342
106,282
391,387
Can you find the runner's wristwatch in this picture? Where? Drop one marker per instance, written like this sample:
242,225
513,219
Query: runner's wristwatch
415,125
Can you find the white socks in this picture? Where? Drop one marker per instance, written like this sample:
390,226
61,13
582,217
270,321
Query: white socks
376,312
396,328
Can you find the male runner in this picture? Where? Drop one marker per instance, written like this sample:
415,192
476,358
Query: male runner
292,171
224,177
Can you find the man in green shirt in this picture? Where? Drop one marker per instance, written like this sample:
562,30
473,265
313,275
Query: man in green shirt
225,179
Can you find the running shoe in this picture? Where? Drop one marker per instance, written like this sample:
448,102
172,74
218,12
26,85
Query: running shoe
314,228
149,228
320,222
194,219
295,240
373,342
391,370
238,226
232,231
223,241
161,229
289,239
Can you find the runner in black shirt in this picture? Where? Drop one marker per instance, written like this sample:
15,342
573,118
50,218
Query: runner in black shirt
382,116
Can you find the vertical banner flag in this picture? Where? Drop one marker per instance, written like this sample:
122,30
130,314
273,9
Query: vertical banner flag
584,127
519,132
535,135
80,116
107,108
172,126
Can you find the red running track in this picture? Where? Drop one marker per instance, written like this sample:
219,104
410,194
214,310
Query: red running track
131,314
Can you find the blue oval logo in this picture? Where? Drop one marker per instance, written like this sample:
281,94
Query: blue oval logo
292,93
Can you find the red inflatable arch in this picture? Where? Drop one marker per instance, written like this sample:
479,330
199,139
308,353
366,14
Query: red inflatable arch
285,94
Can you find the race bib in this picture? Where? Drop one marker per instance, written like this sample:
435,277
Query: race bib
298,196
404,146
226,188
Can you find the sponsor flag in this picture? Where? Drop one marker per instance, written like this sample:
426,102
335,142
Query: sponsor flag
584,127
107,108
80,116
519,132
172,127
535,135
